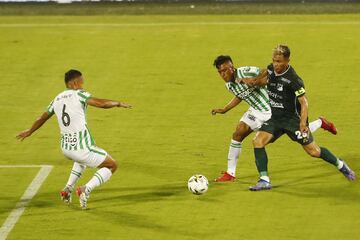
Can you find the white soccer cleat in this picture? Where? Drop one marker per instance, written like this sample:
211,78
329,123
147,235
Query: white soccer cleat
83,197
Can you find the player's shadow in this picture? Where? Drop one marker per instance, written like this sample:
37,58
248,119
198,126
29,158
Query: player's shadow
119,217
344,193
32,203
122,218
316,186
141,194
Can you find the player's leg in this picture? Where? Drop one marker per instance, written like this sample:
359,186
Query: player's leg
106,169
241,132
106,165
75,175
262,138
323,123
320,152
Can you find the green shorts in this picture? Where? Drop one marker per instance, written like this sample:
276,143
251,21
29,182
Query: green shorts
277,126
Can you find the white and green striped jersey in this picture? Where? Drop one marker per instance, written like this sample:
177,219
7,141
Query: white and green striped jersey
70,110
256,97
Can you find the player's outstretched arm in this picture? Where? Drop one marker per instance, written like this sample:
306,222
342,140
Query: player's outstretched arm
233,103
105,103
260,80
36,125
304,113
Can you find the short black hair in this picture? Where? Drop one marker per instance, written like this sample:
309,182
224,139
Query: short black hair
72,74
221,59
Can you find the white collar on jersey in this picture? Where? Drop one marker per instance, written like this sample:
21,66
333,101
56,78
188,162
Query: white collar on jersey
276,75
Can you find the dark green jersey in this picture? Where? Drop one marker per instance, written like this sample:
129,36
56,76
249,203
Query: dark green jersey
284,90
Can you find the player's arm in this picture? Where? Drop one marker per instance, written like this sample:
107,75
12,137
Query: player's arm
36,125
304,113
105,103
233,103
260,80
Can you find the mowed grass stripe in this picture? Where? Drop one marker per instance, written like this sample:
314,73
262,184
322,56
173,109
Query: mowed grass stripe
157,24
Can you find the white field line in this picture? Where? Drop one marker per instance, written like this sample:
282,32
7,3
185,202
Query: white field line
159,24
26,197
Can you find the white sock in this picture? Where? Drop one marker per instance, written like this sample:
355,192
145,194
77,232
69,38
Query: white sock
315,125
340,164
265,178
100,177
233,155
75,175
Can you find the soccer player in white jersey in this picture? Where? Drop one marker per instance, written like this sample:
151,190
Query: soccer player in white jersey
77,143
258,112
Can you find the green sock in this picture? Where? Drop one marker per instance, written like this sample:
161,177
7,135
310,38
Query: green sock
328,156
261,161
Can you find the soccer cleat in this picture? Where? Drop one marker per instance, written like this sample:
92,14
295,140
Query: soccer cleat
348,173
226,177
65,195
261,185
328,126
83,197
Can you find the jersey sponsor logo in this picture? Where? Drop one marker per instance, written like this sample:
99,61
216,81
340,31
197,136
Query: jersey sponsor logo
300,92
279,87
245,94
285,80
70,138
272,84
276,104
274,95
241,93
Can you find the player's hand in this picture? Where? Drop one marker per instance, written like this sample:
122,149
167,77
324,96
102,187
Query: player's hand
24,134
124,105
304,129
239,80
217,110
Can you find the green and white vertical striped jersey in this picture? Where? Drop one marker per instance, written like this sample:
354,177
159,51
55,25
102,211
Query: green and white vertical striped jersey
256,97
70,110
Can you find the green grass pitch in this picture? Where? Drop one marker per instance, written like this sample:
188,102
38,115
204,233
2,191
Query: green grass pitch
165,71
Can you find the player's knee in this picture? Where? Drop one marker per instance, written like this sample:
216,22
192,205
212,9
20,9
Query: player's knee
313,152
114,166
258,143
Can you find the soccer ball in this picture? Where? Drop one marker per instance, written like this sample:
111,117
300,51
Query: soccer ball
198,184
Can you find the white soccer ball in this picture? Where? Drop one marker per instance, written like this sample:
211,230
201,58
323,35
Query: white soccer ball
198,184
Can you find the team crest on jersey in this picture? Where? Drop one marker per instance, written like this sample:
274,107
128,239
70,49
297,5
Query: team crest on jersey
279,87
247,69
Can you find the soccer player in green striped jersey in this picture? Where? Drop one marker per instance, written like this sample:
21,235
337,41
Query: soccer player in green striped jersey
258,113
77,142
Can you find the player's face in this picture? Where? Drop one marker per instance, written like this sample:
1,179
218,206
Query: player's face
280,63
226,71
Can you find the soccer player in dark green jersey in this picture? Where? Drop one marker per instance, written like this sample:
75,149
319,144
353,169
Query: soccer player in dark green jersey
289,107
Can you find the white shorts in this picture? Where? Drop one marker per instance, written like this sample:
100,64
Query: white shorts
255,119
91,157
